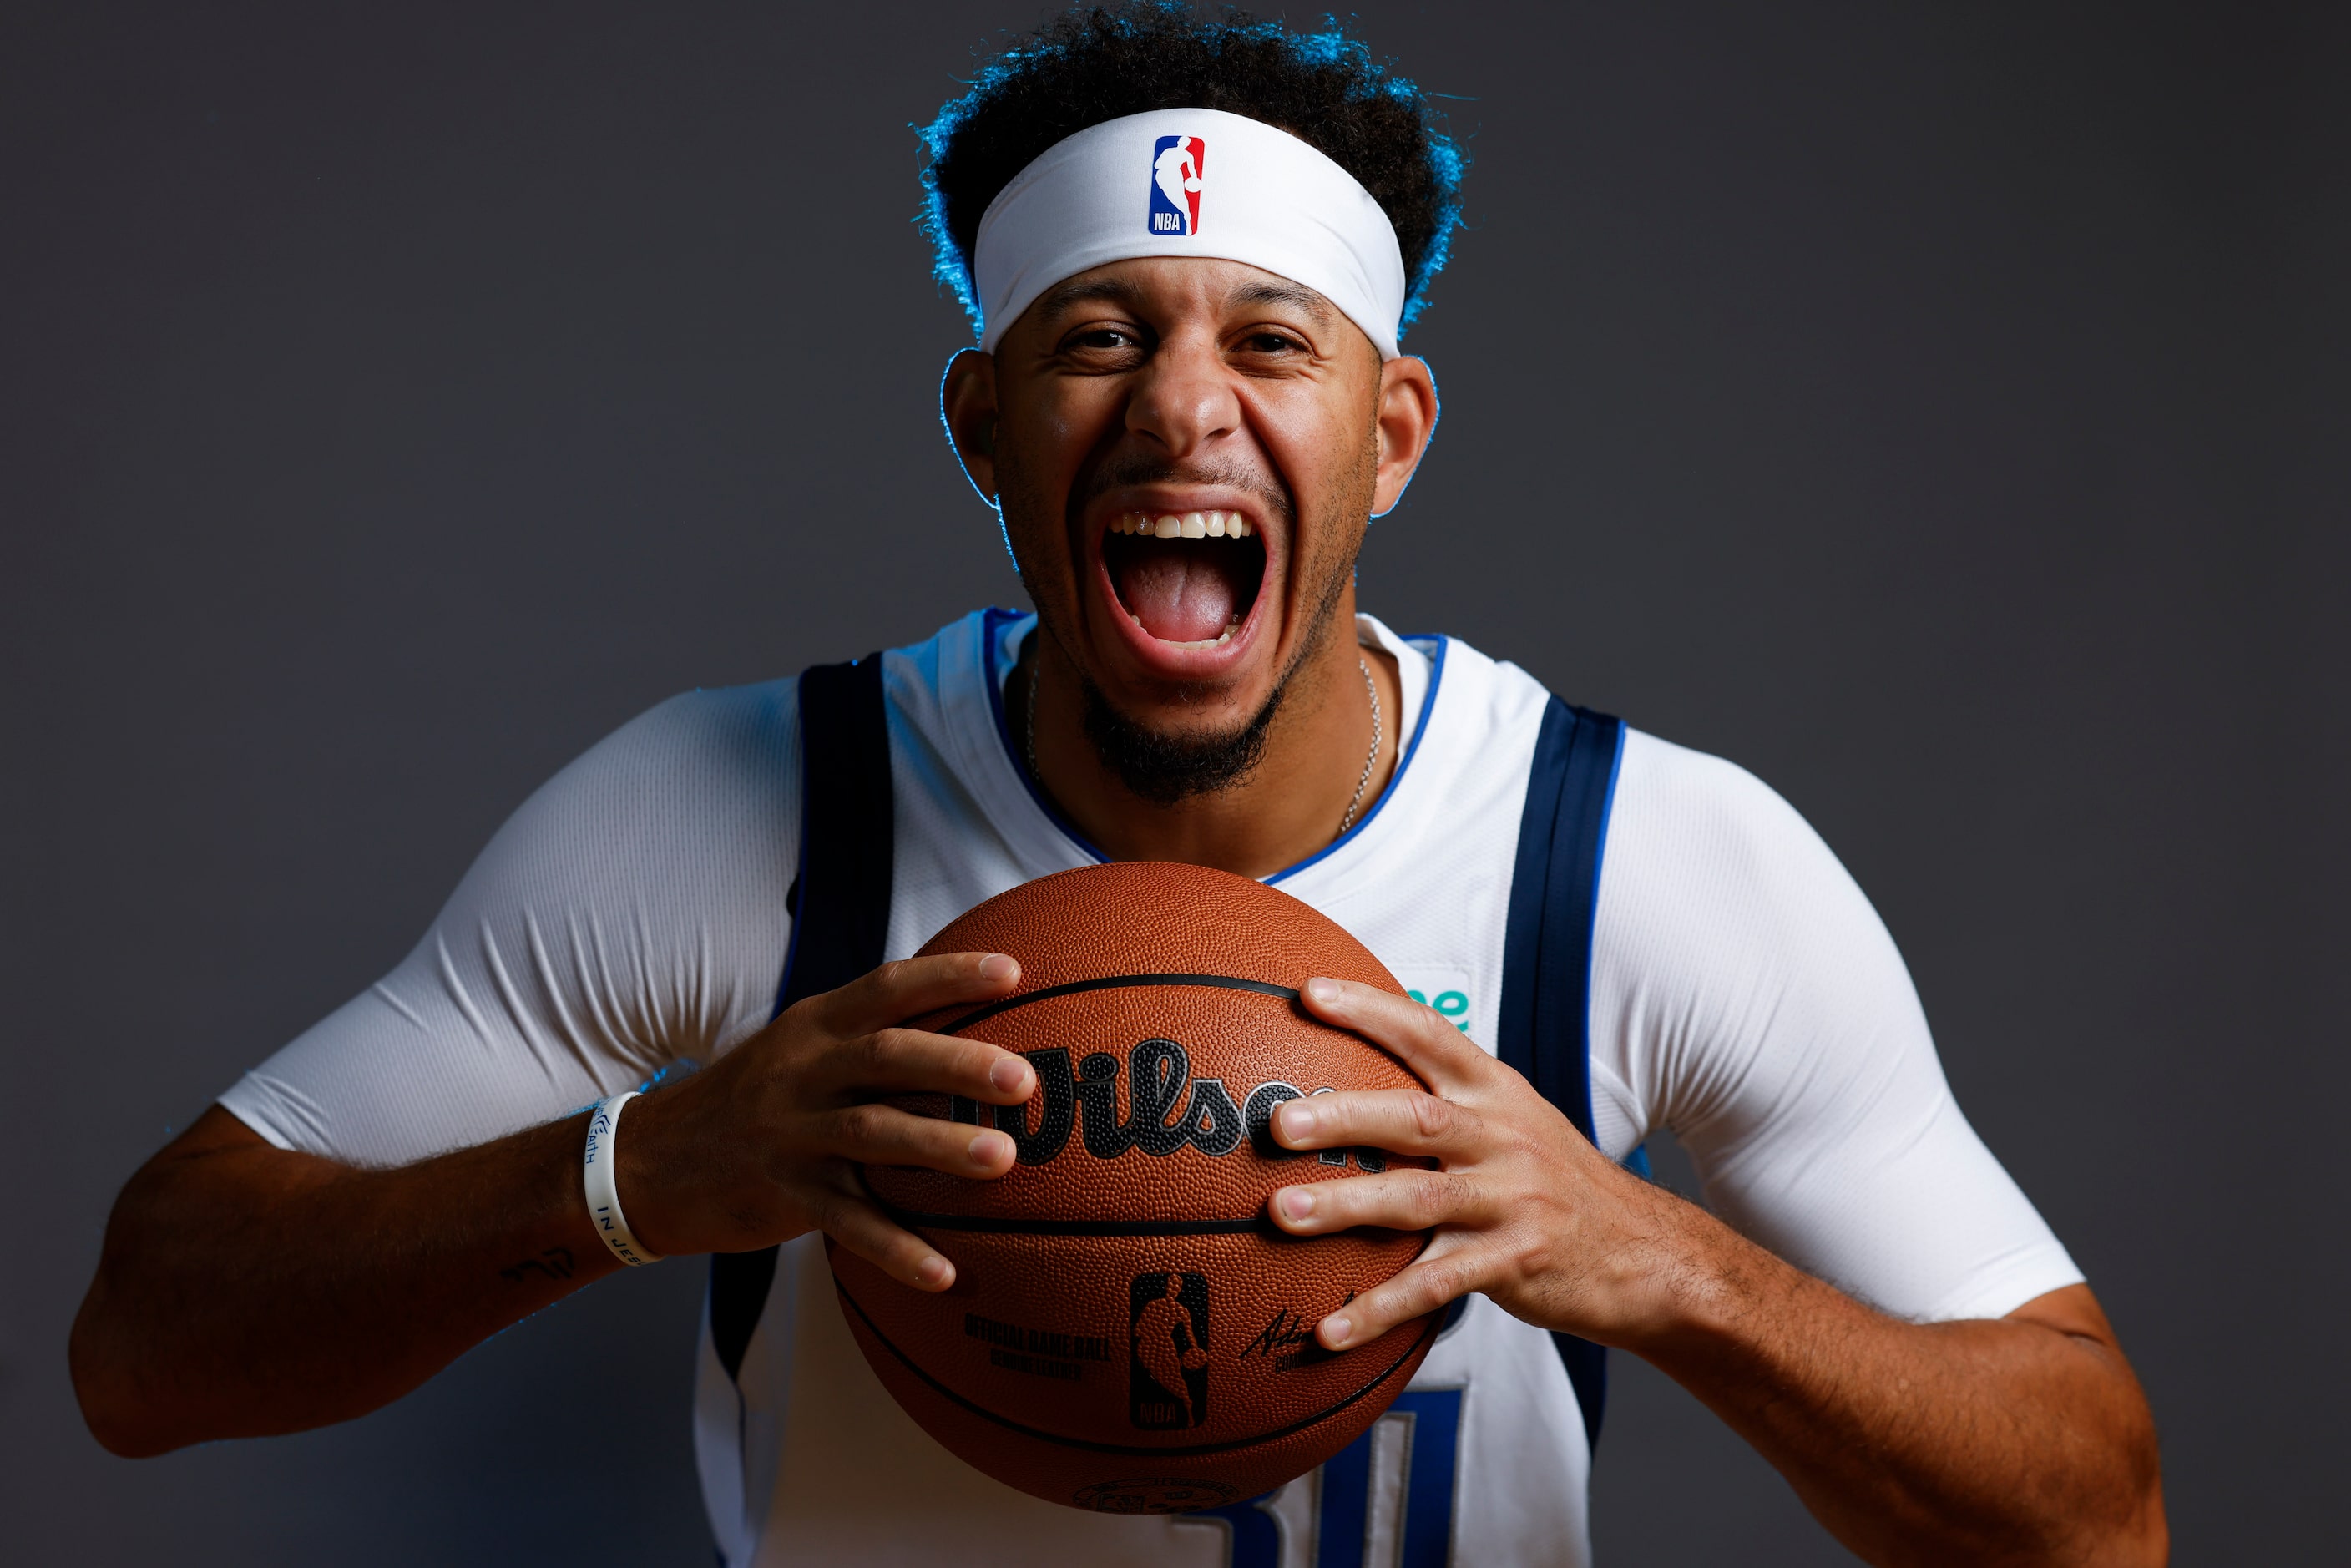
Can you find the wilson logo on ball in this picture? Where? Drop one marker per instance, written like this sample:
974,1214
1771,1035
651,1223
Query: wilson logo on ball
1167,1110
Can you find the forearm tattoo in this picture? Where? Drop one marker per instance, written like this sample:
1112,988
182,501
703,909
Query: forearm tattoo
554,1262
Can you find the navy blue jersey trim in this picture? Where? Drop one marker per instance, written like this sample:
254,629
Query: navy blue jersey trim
1545,1026
1419,729
841,913
847,822
1544,1029
992,623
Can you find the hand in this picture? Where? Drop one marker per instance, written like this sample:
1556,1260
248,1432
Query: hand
1524,1209
764,1144
2023,1440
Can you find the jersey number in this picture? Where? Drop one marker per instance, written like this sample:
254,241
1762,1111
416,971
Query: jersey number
1416,1495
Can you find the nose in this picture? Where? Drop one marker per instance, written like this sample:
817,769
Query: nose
1183,400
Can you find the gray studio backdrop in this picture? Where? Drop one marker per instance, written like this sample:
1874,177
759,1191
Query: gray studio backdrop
1932,407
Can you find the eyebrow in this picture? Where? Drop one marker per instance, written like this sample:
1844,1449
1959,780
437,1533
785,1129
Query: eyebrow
1290,294
1061,296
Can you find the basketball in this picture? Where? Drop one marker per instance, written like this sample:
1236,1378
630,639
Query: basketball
1128,1332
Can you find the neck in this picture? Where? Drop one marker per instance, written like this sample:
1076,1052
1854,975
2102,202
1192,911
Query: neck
1286,809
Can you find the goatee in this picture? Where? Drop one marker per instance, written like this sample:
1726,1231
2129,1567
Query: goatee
1167,768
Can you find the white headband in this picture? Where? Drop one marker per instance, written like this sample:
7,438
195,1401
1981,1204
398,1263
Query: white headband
1189,182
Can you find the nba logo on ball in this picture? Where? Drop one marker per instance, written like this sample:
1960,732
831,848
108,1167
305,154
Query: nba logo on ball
1175,165
1167,1363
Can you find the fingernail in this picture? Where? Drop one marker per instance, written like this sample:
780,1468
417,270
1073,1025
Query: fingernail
997,966
988,1148
1008,1075
1297,1118
1323,990
936,1272
1296,1202
1335,1330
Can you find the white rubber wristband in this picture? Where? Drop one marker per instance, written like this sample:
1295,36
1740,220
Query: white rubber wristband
604,1188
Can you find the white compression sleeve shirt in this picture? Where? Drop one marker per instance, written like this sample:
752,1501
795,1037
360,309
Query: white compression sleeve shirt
629,916
1745,994
1747,997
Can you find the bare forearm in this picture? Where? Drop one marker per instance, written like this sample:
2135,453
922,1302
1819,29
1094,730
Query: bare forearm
244,1291
2020,1440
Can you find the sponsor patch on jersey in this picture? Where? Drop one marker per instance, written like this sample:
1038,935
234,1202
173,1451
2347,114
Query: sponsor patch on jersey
1446,988
1177,165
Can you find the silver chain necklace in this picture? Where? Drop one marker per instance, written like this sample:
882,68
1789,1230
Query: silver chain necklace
1370,758
1363,781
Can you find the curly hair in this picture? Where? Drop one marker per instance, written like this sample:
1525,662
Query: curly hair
1103,62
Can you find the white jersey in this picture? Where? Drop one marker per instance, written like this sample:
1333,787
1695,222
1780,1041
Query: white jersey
631,916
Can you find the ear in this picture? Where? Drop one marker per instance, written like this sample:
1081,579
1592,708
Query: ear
968,408
1406,419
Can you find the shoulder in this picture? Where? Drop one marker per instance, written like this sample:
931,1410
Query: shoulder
710,727
688,785
714,771
1672,808
944,683
1687,816
1470,736
1706,863
1476,700
710,743
1734,957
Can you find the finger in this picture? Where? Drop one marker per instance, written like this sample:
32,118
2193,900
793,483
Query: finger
911,1061
912,987
1441,1274
875,1134
1398,1200
853,1221
1404,1121
1442,1056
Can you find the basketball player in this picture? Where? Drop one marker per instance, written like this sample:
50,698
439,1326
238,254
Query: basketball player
1186,428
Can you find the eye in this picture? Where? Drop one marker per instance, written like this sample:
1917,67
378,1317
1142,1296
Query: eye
1102,346
1267,340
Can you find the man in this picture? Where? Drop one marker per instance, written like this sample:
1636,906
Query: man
1185,427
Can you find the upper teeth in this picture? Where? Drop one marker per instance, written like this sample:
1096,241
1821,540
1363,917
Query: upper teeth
1184,525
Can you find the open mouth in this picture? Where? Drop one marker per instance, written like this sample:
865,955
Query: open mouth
1188,578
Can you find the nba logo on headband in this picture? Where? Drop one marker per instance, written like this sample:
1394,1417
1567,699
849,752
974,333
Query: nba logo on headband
1281,205
1175,165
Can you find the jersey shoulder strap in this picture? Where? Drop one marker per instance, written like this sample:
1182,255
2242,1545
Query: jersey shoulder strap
840,906
1545,1028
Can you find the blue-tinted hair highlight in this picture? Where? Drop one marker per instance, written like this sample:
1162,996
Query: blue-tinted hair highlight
1328,51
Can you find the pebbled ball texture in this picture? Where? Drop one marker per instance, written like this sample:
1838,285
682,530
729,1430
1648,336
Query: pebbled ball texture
1128,1332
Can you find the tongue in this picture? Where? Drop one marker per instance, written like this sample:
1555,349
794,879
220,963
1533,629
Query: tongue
1180,594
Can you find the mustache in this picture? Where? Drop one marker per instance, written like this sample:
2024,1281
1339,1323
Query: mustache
1133,469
